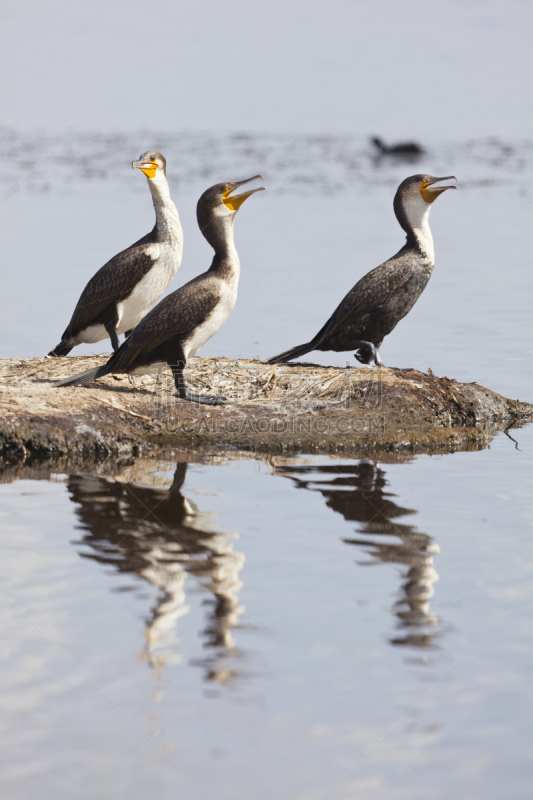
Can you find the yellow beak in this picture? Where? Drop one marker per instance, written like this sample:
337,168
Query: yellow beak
148,167
234,202
430,191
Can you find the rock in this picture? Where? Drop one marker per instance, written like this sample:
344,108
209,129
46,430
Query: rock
277,409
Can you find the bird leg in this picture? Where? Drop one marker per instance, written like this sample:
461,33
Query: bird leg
114,338
367,353
109,319
183,393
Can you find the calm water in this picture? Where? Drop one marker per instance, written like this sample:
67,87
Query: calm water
304,629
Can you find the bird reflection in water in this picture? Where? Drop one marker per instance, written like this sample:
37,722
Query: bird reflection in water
357,491
161,536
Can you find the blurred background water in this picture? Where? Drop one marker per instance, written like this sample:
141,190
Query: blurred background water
308,628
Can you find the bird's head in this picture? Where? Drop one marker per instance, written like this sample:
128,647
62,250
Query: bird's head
224,199
414,197
218,206
153,164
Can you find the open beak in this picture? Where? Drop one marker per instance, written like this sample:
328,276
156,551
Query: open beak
430,191
148,167
235,201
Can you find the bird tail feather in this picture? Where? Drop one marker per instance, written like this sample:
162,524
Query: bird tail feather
294,352
61,349
83,377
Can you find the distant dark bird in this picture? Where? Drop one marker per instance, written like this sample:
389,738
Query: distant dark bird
400,149
375,305
125,289
182,322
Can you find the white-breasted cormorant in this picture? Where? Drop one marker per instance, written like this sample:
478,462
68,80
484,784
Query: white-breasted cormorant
182,322
125,289
377,302
400,149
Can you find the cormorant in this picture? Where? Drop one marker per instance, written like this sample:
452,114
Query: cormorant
377,302
401,149
120,294
182,322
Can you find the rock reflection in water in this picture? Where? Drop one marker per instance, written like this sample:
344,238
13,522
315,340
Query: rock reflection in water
357,491
161,536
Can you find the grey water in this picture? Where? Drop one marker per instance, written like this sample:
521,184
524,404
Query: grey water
301,628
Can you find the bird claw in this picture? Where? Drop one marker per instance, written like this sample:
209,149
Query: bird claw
203,399
368,354
362,359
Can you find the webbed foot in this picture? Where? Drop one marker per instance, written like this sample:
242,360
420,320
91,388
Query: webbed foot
368,354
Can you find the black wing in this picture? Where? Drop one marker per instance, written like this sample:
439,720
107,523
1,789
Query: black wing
369,292
176,315
112,283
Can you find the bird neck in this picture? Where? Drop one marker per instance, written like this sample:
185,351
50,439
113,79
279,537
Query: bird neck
219,233
423,237
167,222
414,219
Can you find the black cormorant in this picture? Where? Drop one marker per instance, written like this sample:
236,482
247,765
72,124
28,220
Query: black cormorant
182,322
400,149
125,289
377,302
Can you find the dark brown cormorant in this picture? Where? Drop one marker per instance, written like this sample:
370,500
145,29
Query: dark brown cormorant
400,149
182,322
375,305
125,289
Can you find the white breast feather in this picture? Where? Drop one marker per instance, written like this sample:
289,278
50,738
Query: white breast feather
92,334
213,323
149,289
417,212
